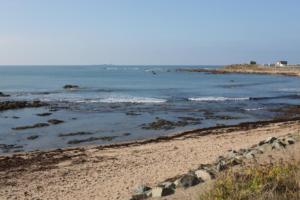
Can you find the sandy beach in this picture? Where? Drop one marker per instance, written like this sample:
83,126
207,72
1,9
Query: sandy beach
112,172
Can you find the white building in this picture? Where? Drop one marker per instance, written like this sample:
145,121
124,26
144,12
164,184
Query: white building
281,63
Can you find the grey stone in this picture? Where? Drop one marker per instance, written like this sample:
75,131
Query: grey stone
203,175
290,140
221,165
141,189
261,143
234,161
278,145
231,154
161,192
188,180
270,140
139,196
249,155
169,185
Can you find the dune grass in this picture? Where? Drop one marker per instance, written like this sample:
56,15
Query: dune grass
280,181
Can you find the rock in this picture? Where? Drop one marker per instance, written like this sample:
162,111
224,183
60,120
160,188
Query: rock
44,114
75,134
92,139
278,145
71,87
168,184
139,196
256,151
203,175
141,189
234,161
38,125
231,154
4,95
33,137
270,140
161,192
188,180
10,105
267,147
261,149
261,143
221,165
290,140
249,155
55,121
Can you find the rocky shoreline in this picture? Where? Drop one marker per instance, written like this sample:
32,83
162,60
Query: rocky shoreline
249,69
207,172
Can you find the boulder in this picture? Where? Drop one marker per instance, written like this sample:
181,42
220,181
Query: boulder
161,192
270,140
290,140
188,180
262,143
3,95
139,196
231,154
141,192
234,161
249,155
167,184
278,145
71,87
203,175
10,105
221,165
141,189
55,121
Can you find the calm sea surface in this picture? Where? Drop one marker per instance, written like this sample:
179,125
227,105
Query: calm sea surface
119,102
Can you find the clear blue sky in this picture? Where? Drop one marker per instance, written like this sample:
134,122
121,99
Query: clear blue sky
148,31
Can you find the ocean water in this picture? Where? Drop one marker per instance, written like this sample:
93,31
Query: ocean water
118,101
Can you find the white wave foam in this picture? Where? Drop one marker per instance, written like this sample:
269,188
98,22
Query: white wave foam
132,100
218,98
253,109
289,89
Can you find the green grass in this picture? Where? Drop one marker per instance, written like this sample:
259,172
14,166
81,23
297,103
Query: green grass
270,182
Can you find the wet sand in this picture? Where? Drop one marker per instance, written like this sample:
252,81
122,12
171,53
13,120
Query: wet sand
251,69
113,171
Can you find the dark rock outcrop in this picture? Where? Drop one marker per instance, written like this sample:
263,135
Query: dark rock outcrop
55,121
44,114
9,105
38,125
71,87
33,137
4,95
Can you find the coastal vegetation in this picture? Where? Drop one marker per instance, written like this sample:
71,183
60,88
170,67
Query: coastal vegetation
275,181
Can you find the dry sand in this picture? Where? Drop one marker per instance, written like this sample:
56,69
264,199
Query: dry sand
112,172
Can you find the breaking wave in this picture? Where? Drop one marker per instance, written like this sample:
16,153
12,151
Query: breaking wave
208,99
127,99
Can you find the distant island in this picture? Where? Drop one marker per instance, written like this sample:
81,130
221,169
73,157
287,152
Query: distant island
279,68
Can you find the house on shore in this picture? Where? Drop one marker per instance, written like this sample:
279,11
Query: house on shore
281,63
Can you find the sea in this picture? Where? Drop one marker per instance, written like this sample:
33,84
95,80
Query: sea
124,103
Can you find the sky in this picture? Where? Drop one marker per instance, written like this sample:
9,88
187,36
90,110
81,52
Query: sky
152,32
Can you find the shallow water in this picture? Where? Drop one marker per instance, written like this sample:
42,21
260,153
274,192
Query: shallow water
118,100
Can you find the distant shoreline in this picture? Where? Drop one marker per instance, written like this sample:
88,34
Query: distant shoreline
250,69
